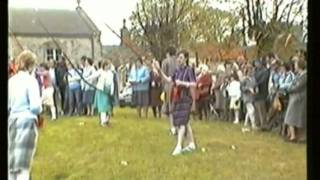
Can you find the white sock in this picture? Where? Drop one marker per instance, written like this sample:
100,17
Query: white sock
237,117
53,112
192,145
177,148
12,176
103,117
173,130
23,175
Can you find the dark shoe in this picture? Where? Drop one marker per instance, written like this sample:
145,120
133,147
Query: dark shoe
264,129
302,141
290,140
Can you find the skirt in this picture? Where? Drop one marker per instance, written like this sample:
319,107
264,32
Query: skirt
155,97
22,142
234,103
102,101
88,97
181,111
47,96
140,98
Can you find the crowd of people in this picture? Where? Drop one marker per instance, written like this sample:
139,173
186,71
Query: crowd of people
256,92
263,94
65,88
74,89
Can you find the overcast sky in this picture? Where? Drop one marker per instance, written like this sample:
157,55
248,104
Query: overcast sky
111,12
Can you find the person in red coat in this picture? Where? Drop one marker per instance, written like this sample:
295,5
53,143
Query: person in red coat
204,81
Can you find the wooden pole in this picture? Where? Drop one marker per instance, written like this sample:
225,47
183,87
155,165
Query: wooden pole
129,44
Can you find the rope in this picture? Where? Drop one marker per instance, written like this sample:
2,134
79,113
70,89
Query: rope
65,55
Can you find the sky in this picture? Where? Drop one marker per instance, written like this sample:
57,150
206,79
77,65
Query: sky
111,12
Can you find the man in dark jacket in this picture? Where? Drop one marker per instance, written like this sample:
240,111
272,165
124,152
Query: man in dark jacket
60,73
262,76
169,66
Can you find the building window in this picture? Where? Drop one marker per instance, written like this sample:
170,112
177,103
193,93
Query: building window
54,54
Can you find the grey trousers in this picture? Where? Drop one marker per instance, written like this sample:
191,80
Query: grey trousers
260,112
74,99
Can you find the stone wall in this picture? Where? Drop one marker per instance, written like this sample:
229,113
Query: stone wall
97,50
74,48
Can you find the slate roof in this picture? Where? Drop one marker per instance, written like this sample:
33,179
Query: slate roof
62,23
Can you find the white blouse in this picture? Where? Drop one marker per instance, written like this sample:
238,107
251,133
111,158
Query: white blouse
105,80
234,89
24,96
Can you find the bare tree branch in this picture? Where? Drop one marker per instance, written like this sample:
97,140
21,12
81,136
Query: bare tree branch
141,23
167,14
253,13
180,11
249,13
160,20
294,17
277,5
144,11
289,12
285,8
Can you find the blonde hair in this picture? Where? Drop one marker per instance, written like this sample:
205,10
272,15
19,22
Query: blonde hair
25,60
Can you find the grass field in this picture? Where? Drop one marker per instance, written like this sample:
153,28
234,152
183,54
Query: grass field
68,150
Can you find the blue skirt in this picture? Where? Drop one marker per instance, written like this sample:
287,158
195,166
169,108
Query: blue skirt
102,101
88,97
181,110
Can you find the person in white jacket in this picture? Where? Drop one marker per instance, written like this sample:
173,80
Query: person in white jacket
234,92
104,92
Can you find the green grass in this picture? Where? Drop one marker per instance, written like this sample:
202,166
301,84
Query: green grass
67,150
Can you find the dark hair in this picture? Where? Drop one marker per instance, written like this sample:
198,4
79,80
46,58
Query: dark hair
302,64
186,55
235,76
171,50
271,55
90,61
83,58
288,66
99,64
45,66
104,64
140,60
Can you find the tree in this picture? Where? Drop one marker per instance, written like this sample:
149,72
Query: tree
264,21
209,25
157,22
180,23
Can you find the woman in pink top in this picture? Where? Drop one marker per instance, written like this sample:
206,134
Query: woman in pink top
47,89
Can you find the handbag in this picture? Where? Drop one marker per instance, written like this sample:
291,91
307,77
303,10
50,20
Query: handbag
175,94
176,91
40,122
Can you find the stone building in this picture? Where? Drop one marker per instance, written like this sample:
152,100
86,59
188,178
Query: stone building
121,54
76,33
